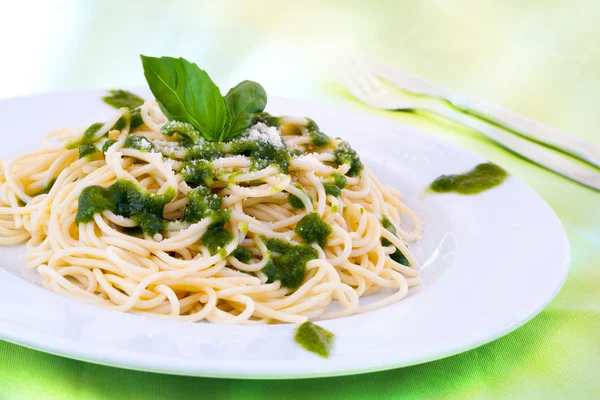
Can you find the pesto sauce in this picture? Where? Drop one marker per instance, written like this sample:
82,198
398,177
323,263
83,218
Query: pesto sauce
46,188
266,119
122,98
204,150
87,149
295,200
339,180
119,125
199,172
139,143
243,255
107,144
186,131
317,138
331,189
314,338
135,120
261,154
287,262
202,203
86,142
397,256
335,184
216,238
312,229
127,199
344,154
481,178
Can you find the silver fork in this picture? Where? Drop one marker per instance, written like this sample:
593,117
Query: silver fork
370,90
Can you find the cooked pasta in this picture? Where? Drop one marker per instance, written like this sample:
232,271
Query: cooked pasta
281,224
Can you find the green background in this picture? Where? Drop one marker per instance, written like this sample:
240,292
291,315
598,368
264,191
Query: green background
540,58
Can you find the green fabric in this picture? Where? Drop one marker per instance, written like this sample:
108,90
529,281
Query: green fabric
539,58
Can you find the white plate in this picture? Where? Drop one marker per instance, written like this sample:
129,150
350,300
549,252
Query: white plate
493,261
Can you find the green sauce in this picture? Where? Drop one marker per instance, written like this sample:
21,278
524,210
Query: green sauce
261,154
287,262
216,237
139,143
126,199
481,178
344,154
133,231
135,120
122,98
45,189
339,180
243,255
86,143
205,151
331,189
87,150
186,131
387,224
119,125
317,138
397,255
314,339
202,203
199,172
335,185
313,230
266,119
107,144
295,200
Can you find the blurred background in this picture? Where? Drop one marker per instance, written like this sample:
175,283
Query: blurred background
538,57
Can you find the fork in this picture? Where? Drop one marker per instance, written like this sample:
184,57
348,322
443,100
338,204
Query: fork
490,112
368,89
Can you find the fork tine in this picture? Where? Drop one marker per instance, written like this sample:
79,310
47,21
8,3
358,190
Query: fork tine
365,87
358,79
372,82
354,85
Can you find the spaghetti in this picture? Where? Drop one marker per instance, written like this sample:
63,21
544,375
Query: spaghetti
282,224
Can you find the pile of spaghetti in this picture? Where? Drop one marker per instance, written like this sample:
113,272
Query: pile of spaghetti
281,224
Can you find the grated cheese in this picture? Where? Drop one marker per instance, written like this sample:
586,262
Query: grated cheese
145,145
263,133
310,160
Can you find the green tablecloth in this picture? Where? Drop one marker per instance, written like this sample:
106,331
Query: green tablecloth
540,58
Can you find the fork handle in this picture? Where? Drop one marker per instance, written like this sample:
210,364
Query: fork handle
530,128
530,150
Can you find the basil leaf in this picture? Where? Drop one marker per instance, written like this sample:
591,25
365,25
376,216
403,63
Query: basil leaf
122,98
244,100
186,93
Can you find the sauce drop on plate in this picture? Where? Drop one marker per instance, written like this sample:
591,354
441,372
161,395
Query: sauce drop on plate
314,338
481,178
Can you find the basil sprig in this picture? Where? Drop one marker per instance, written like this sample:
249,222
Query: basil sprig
243,101
185,93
